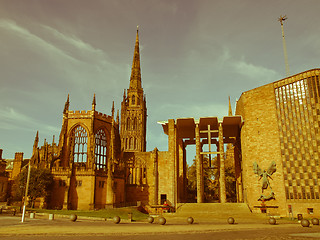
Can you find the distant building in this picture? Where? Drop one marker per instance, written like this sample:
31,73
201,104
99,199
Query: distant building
3,179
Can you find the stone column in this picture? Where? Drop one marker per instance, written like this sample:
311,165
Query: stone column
222,179
138,175
109,200
155,176
199,167
172,163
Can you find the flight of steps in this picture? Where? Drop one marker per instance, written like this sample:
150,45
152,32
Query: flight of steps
214,210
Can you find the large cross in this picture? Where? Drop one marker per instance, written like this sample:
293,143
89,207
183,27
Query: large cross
209,131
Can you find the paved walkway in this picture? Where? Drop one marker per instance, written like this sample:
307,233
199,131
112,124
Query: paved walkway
41,225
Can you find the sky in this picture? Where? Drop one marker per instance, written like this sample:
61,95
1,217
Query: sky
194,54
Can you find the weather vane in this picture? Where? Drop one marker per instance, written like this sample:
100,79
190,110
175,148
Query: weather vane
281,19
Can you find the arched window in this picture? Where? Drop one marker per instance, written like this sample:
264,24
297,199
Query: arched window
135,123
101,149
133,100
128,123
138,101
80,137
127,143
131,143
135,143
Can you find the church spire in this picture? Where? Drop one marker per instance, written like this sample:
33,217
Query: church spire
112,110
94,102
66,105
135,79
230,109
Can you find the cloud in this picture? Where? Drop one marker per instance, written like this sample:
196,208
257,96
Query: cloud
10,119
251,71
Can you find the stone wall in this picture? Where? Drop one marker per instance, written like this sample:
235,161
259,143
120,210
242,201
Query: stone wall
260,143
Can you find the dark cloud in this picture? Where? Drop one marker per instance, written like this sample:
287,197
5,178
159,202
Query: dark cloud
194,54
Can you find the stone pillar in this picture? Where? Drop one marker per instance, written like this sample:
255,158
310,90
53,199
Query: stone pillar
93,192
138,175
182,172
155,176
110,194
172,163
199,167
222,179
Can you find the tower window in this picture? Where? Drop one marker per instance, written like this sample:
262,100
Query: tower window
133,100
128,123
135,123
131,143
101,149
80,137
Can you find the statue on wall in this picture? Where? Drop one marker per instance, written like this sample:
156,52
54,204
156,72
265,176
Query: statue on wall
265,175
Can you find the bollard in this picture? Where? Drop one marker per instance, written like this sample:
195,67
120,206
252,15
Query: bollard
150,219
51,216
162,221
315,221
130,217
116,219
231,220
32,215
73,217
190,220
305,223
272,221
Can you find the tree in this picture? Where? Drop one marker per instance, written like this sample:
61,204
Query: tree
41,181
211,181
210,185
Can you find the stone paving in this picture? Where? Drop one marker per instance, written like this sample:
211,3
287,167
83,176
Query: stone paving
41,225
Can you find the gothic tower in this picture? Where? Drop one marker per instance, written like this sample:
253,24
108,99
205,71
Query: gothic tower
134,110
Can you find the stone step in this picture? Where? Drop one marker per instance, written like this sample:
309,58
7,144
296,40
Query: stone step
213,209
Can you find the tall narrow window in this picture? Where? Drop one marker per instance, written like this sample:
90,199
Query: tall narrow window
135,123
101,149
133,100
131,143
128,124
80,137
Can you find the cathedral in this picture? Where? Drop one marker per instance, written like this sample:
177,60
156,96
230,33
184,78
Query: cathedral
101,160
273,145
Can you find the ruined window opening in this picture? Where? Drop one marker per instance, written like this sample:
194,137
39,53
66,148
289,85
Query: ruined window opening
101,149
80,145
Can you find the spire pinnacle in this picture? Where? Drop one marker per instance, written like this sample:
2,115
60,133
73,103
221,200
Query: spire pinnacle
94,102
112,110
66,105
230,109
135,79
36,140
117,119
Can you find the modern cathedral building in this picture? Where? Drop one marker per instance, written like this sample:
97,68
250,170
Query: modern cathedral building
101,160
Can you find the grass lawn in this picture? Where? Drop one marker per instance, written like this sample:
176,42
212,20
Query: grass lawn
103,213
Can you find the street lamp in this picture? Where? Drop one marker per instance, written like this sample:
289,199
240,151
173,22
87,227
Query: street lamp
26,193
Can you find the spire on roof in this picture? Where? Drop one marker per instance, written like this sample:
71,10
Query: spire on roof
112,110
230,109
117,119
36,140
66,105
94,102
135,79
